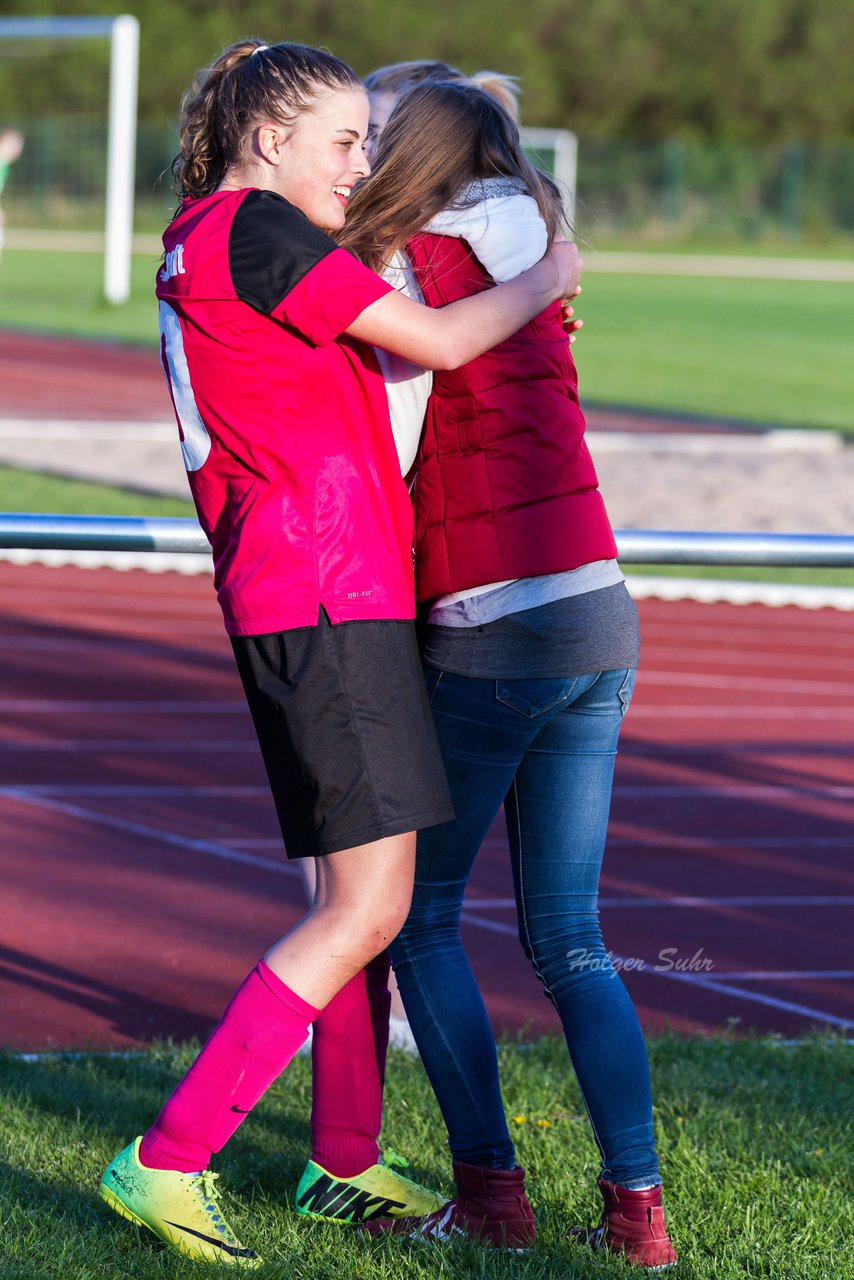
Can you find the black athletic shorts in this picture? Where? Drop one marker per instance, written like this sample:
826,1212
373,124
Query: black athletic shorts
346,733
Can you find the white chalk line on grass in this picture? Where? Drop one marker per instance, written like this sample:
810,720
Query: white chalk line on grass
707,983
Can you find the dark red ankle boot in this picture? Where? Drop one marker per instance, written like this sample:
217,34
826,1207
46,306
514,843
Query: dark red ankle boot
490,1205
632,1225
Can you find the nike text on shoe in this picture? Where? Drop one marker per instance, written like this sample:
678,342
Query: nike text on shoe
490,1205
379,1192
180,1208
632,1225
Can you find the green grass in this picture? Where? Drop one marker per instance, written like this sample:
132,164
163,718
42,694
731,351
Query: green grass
744,573
761,350
62,293
38,492
755,1141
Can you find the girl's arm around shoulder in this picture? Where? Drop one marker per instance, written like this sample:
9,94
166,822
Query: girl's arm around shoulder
451,336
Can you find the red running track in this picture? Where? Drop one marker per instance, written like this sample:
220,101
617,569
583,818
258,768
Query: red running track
143,874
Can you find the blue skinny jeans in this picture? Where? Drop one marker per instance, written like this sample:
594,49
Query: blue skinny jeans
545,748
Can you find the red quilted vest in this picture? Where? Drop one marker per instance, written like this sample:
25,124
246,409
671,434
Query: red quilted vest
506,487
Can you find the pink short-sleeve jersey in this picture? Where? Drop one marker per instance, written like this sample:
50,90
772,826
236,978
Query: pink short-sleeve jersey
283,420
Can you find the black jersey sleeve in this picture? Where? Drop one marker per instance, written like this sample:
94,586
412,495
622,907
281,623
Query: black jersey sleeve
271,247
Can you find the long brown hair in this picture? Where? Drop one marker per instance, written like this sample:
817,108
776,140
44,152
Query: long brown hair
249,82
440,137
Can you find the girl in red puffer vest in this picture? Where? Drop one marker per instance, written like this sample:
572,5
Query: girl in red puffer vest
530,656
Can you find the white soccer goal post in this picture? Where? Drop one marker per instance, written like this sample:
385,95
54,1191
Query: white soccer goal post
123,35
556,152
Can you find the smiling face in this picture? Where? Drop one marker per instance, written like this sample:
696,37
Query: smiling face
323,158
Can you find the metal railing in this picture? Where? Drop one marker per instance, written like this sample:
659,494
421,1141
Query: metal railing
636,546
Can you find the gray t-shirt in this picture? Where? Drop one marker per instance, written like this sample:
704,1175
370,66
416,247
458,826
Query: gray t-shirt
573,636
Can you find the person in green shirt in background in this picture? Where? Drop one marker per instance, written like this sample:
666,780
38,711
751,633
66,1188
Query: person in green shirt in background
11,146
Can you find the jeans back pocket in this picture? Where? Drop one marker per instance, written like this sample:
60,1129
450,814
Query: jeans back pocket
534,697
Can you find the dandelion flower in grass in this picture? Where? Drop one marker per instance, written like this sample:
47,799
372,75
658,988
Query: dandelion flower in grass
544,1124
520,1119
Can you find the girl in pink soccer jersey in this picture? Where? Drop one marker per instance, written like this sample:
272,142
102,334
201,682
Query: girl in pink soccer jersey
265,333
530,656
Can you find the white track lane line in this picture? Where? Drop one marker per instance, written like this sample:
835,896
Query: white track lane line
750,791
283,868
157,834
739,711
127,706
729,842
783,900
787,975
694,979
134,643
134,791
698,680
129,746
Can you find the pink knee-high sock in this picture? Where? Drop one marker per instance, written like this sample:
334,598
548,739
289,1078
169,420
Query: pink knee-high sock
348,1053
259,1033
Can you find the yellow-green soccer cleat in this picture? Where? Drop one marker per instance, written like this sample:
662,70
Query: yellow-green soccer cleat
181,1208
379,1192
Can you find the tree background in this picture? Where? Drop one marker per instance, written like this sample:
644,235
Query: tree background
724,71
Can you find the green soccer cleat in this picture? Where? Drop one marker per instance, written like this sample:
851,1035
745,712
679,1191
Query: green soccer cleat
181,1208
379,1192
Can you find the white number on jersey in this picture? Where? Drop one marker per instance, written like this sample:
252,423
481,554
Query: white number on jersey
195,441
